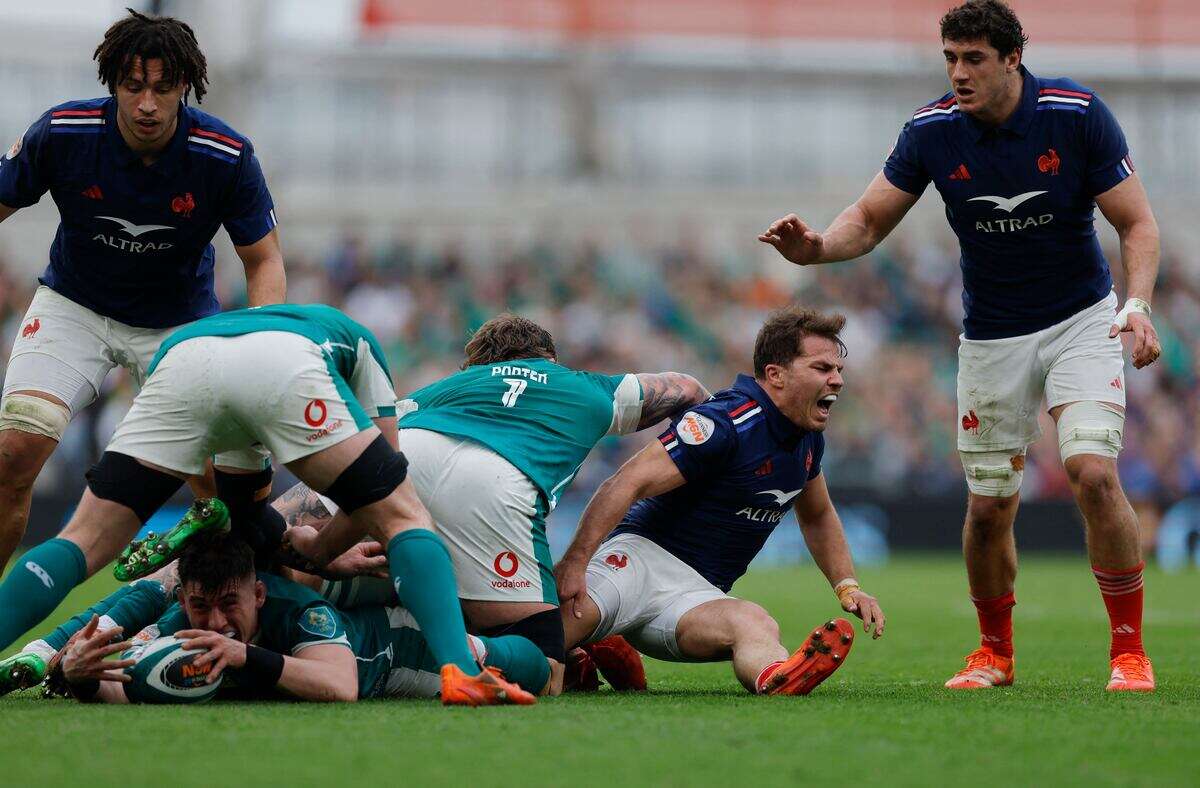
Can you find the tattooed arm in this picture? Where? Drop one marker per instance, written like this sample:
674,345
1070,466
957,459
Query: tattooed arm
303,510
666,393
301,506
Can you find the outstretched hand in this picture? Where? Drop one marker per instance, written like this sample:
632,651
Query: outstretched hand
795,240
867,608
85,657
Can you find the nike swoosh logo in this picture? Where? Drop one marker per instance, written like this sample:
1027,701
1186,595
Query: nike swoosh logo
1007,204
136,229
782,498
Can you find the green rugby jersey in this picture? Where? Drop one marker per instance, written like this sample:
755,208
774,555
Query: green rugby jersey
336,334
294,617
542,417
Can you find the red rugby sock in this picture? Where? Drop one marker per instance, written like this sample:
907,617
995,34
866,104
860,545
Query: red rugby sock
1123,596
995,623
764,674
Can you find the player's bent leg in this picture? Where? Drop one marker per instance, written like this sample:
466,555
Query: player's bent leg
373,491
122,493
31,425
731,629
536,623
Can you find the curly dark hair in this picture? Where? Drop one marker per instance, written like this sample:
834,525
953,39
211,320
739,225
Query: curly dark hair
214,561
988,19
781,338
508,337
152,38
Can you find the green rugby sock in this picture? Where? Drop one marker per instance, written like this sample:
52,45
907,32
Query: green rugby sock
522,662
40,579
424,580
62,633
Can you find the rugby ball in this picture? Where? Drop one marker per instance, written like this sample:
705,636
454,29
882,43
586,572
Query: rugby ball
165,673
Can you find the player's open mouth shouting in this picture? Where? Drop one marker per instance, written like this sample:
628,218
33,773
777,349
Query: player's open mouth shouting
825,403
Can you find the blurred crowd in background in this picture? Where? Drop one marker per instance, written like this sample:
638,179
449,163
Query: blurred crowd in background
676,307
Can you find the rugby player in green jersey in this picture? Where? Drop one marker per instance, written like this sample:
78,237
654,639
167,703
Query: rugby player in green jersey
304,384
492,448
245,620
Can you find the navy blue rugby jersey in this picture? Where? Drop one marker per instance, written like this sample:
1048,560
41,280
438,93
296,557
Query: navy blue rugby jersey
134,242
744,464
1021,199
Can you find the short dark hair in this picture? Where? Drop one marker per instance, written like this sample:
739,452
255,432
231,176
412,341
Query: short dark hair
507,337
989,19
214,561
152,38
781,338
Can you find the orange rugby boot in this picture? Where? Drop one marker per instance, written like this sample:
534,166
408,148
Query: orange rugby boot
1131,673
620,663
487,689
822,653
985,668
580,674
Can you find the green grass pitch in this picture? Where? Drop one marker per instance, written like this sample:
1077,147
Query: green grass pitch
882,719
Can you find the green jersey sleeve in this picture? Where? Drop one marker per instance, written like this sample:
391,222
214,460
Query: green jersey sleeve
318,624
627,403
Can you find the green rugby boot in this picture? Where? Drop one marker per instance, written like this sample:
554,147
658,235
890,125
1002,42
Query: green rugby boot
21,671
146,556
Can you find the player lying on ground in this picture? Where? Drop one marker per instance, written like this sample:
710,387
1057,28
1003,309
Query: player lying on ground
681,521
491,450
142,182
304,384
1021,163
265,636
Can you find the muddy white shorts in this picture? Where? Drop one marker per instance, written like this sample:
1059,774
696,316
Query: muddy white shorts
1001,382
66,350
642,592
246,397
488,513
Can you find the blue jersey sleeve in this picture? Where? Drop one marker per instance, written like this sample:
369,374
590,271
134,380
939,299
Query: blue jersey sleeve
1108,161
903,167
250,214
23,176
700,442
818,452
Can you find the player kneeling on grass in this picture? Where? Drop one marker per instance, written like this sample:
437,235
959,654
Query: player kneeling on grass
686,515
251,635
302,383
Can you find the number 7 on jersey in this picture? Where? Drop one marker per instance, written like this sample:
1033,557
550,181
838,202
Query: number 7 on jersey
516,387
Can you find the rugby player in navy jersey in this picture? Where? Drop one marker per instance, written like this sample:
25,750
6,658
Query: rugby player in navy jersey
686,515
1021,163
142,182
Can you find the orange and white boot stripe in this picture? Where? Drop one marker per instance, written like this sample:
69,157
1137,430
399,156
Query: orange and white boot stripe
984,677
984,669
1131,672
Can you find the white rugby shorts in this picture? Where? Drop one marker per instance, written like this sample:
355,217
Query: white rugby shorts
66,350
642,592
244,398
1001,382
489,515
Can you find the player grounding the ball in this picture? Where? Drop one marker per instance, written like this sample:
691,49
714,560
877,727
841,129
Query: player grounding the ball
1021,162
